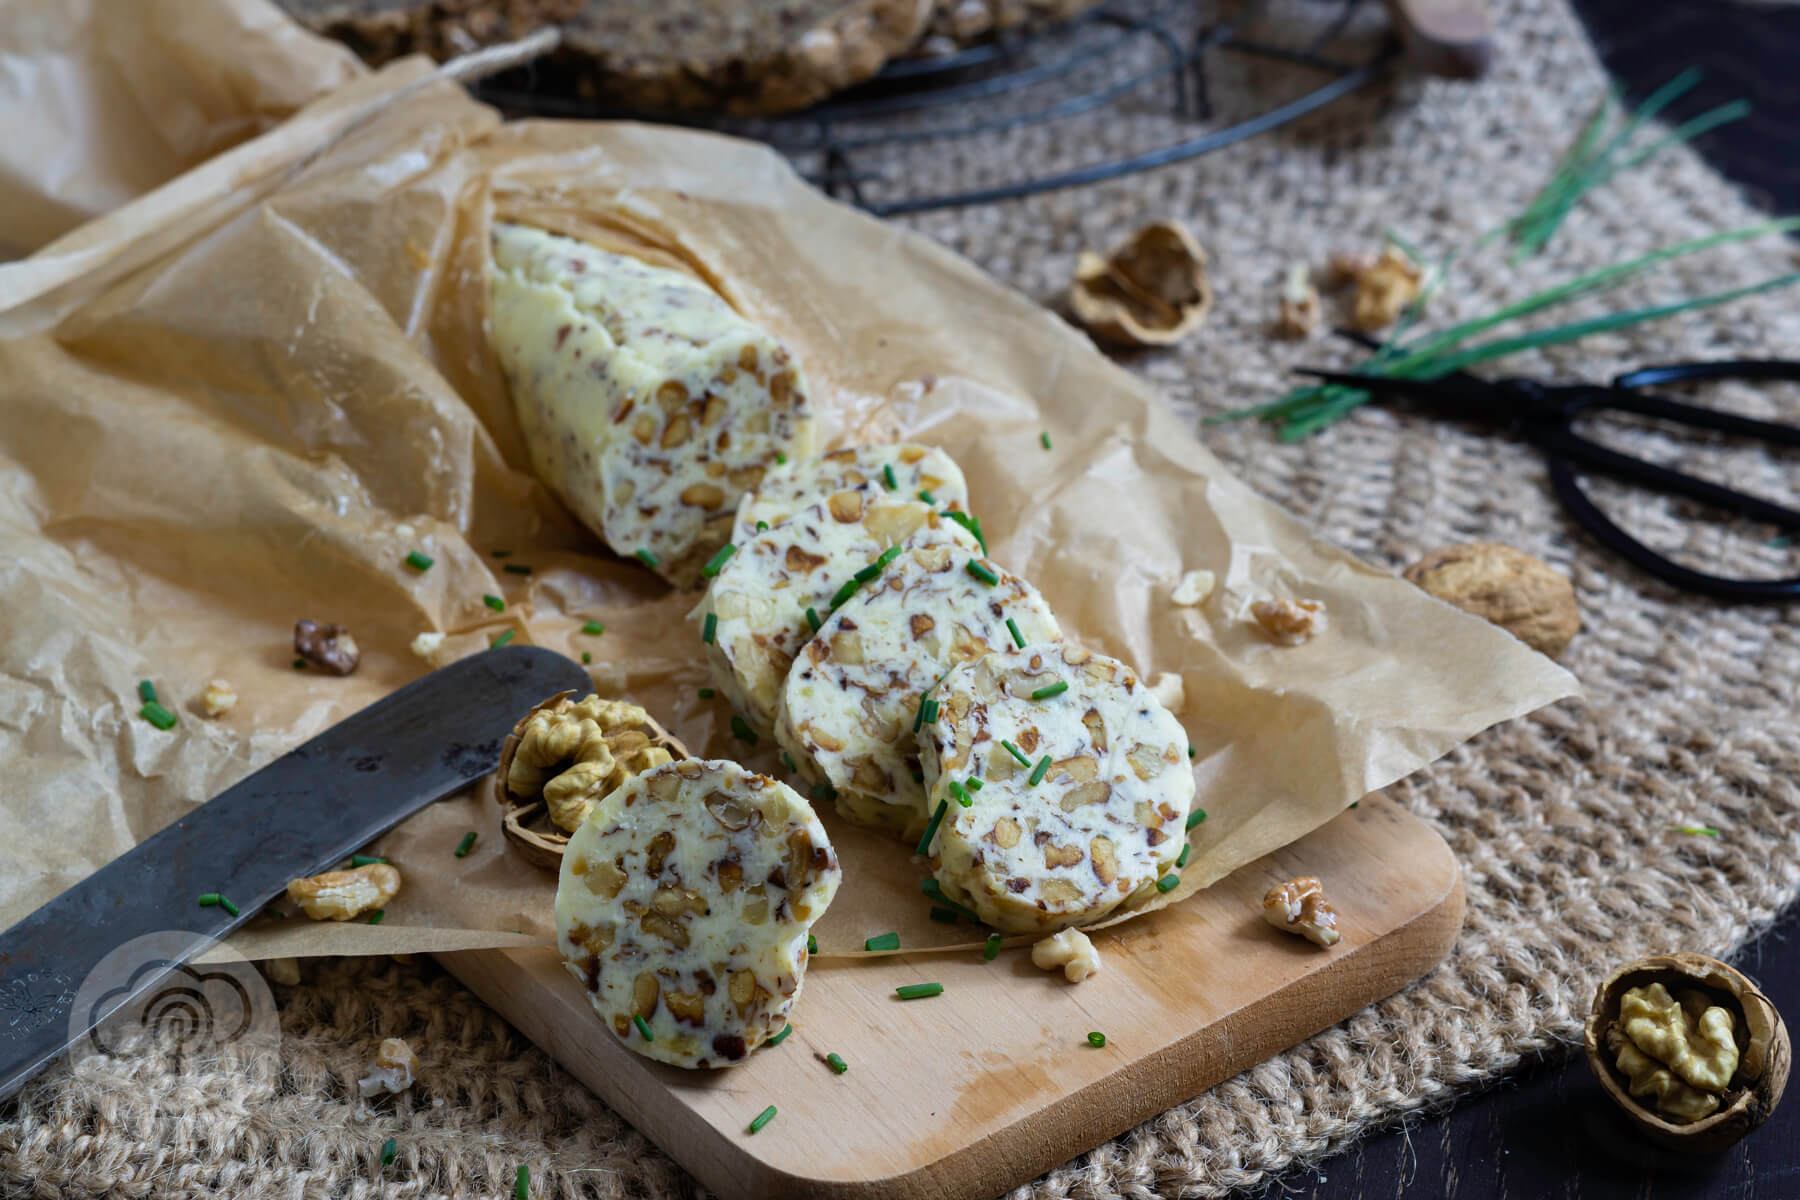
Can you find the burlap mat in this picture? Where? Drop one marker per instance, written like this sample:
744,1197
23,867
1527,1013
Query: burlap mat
1562,821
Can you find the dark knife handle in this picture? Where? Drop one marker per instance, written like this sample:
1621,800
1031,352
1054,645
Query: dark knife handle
299,815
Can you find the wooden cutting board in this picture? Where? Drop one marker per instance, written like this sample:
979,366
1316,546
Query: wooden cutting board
992,1083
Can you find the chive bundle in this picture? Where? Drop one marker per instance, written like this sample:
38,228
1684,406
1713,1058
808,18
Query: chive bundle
494,602
467,844
919,991
981,572
931,827
762,1118
419,562
882,941
836,1063
935,892
717,562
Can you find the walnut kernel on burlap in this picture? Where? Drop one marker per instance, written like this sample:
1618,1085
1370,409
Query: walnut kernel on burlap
1567,812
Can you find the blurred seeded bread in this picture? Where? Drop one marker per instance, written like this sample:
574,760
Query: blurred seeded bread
956,23
749,57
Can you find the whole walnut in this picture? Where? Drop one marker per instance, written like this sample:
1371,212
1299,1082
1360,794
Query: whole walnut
1524,596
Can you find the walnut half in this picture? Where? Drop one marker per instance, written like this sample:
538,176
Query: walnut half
1299,906
573,753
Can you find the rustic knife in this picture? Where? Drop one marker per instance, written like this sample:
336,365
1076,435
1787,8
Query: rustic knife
301,814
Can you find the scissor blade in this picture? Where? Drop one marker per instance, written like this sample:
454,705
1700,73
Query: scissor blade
297,816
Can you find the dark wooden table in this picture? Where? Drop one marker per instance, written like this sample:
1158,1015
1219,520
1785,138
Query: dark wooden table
1548,1132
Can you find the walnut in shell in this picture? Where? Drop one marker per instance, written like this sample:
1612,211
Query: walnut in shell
1750,1075
565,756
1152,291
1527,598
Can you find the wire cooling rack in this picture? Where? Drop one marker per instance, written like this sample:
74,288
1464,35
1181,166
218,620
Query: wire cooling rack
1128,86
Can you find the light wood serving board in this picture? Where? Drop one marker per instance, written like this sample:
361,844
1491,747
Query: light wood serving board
992,1083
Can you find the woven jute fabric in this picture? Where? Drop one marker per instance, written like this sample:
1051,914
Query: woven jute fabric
1562,821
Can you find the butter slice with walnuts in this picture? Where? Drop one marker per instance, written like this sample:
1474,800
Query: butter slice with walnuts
648,404
760,598
852,696
1106,816
685,901
800,484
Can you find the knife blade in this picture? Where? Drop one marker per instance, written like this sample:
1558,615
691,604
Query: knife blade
301,814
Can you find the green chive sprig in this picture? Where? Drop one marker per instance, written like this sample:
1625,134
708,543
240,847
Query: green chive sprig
467,844
502,640
389,1149
927,497
717,562
919,991
1195,817
643,1028
644,556
365,860
1097,1039
740,729
887,476
217,900
935,891
981,572
147,691
587,656
710,628
812,944
780,1037
378,916
836,1062
1044,439
960,793
1050,691
812,618
707,693
1015,752
157,715
991,951
971,525
1181,859
494,602
931,827
593,628
942,916
1038,772
762,1118
882,941
522,1183
1018,638
419,562
1168,883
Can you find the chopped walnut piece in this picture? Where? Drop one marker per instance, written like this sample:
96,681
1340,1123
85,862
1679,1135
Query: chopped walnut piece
1298,315
340,895
1194,588
1345,267
1384,290
329,647
1069,949
1290,622
1299,906
218,698
393,1071
1170,692
428,645
285,971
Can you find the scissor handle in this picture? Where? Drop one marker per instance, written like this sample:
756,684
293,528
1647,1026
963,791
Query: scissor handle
1610,534
1725,368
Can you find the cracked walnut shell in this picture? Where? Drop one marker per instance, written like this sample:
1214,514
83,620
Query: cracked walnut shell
1152,291
564,757
1689,1049
1528,598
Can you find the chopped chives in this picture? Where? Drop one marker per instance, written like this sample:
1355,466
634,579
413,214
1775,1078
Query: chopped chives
1051,690
494,602
991,951
1096,1039
1195,817
467,844
971,524
780,1037
717,562
1038,772
378,916
158,716
844,593
740,729
984,574
918,776
974,785
710,629
146,691
593,628
882,941
889,555
943,916
919,716
1018,638
1044,437
299,664
927,497
522,1183
707,693
812,944
931,712
919,991
587,656
501,640
643,556
935,891
780,459
1181,859
961,793
419,562
1015,752
812,618
389,1148
516,569
887,476
226,904
931,828
763,1118
836,1063
867,573
643,1028
824,793
1168,883
501,553
365,860
762,527
210,899
1193,753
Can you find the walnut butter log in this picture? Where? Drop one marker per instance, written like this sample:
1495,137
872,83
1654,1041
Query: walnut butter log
649,405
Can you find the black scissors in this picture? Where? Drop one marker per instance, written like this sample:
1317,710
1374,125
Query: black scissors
1545,414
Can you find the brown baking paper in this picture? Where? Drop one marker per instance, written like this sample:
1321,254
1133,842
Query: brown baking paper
256,422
